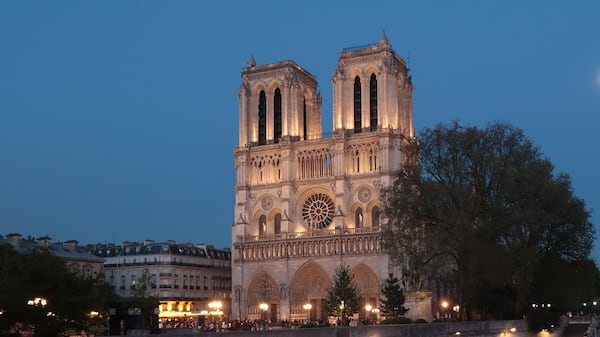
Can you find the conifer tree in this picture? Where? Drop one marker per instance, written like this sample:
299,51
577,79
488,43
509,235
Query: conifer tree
343,299
392,303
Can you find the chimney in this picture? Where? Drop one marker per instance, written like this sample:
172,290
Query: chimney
14,239
44,241
71,245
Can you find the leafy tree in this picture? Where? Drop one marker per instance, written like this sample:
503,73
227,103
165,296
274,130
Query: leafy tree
343,298
392,303
69,298
483,207
143,285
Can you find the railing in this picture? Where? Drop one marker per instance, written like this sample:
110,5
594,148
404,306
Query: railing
314,233
346,241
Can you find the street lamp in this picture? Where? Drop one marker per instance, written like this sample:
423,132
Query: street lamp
38,301
342,313
445,307
368,309
264,307
215,308
307,307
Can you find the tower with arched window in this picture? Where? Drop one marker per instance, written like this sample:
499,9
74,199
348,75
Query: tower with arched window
307,202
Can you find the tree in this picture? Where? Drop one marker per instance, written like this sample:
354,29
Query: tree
65,298
392,303
343,298
143,285
483,207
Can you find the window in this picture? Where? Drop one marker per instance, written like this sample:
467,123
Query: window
358,220
262,119
304,119
375,216
277,223
373,102
318,211
262,225
357,106
277,116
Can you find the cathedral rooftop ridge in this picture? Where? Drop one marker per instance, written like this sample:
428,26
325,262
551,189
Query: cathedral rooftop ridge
373,48
275,66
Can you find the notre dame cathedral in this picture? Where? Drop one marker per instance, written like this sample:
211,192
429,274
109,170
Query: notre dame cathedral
308,201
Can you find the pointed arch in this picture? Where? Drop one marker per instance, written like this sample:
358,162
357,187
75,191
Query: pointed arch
309,284
262,225
304,120
277,223
375,214
262,118
262,288
367,283
358,218
373,102
277,116
357,105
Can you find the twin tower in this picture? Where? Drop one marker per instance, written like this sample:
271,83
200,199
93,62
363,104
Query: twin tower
307,202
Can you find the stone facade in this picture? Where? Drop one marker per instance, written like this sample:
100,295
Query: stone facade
307,202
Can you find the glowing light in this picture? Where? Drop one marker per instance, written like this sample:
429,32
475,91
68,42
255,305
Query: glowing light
38,301
215,308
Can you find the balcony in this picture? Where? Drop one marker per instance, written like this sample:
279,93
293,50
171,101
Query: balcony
309,244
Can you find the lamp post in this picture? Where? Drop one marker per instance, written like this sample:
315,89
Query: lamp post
445,308
215,308
38,301
307,307
264,307
368,309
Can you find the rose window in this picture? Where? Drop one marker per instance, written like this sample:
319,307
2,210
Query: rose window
318,211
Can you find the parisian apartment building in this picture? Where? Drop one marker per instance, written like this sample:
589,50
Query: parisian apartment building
76,257
189,279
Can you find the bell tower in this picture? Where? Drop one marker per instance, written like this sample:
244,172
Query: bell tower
372,90
278,101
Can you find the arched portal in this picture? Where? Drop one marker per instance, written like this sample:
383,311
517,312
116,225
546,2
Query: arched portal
309,286
263,289
368,284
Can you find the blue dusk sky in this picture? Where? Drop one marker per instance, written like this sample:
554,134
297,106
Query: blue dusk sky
118,119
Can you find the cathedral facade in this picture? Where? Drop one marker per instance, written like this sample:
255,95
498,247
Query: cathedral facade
307,202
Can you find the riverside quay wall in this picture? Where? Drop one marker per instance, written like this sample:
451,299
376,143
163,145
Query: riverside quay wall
517,328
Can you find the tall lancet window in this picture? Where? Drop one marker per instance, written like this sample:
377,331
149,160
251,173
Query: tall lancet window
262,118
357,106
277,116
304,126
262,225
375,213
358,220
277,223
373,101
